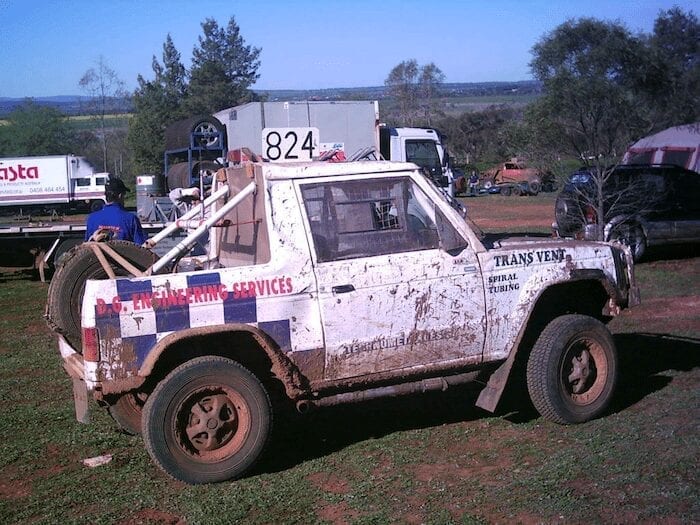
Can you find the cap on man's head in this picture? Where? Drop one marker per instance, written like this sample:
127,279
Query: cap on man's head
116,186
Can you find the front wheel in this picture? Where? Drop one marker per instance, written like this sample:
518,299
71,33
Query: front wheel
207,421
572,369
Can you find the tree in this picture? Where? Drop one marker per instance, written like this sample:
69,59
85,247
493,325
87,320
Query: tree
482,136
157,103
33,129
430,79
410,83
669,77
106,95
402,87
223,69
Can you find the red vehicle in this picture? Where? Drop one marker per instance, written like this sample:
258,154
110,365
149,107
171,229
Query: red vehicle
518,177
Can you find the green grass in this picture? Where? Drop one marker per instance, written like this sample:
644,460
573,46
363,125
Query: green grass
424,459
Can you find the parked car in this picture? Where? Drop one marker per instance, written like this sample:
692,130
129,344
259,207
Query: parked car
516,173
642,205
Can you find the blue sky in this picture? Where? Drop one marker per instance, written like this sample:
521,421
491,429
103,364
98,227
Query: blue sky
47,45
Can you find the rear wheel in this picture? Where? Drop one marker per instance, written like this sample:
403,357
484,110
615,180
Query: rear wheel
534,187
572,369
126,411
207,421
631,235
506,190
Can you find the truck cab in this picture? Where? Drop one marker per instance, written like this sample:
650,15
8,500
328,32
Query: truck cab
422,146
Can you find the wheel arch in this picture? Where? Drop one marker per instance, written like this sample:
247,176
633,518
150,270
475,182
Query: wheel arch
620,219
588,292
245,344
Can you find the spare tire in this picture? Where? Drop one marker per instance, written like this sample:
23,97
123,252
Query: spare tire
179,175
201,131
67,286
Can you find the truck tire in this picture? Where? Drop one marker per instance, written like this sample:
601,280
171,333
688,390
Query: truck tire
126,411
506,191
207,130
180,176
96,205
534,187
68,284
572,369
208,421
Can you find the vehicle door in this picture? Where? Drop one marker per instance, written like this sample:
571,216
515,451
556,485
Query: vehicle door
685,193
398,286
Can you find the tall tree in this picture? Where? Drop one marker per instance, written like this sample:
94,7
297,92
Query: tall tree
669,77
157,103
402,82
223,69
33,129
415,89
429,81
587,108
106,95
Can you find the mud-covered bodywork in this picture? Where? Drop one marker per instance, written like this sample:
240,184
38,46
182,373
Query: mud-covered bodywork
340,278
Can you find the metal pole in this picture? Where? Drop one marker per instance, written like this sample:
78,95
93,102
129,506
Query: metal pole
187,243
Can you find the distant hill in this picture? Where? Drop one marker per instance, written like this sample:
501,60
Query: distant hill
75,105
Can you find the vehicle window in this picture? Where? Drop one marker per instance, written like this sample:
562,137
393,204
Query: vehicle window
424,153
100,181
367,218
82,181
679,157
643,156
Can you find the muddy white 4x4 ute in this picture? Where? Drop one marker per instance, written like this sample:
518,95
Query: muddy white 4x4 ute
325,284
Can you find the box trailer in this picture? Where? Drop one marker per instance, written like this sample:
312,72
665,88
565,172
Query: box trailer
50,183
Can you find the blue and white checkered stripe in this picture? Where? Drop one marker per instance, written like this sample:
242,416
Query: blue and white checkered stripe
143,311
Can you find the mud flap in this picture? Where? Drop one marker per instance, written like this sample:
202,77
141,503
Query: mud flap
491,394
80,398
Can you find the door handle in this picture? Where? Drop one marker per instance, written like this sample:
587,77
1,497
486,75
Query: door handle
343,288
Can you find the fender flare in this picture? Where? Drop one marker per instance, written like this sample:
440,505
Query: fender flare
295,383
619,219
491,394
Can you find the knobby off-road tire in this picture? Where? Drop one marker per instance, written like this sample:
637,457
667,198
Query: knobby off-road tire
572,369
208,421
67,286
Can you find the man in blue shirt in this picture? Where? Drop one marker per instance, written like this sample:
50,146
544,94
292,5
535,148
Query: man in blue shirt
113,219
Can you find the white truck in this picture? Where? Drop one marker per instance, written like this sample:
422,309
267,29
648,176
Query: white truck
337,131
50,183
329,283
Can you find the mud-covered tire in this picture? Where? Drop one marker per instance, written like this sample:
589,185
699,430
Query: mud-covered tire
572,369
67,286
126,411
208,421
